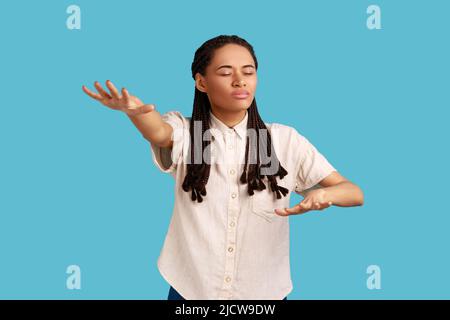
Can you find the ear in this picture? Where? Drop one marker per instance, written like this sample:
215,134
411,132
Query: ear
200,82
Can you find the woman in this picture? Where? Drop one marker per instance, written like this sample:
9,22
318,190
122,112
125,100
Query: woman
229,233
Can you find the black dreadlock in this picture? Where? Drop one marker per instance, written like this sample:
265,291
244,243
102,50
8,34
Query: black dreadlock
198,173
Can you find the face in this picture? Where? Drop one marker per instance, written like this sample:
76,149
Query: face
232,69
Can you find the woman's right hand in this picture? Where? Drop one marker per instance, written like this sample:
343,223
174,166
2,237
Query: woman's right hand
127,103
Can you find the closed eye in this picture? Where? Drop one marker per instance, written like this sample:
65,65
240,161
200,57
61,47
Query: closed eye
230,74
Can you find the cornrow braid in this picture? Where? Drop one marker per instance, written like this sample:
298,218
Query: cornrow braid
198,173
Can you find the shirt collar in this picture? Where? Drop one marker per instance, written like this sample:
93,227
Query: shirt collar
240,128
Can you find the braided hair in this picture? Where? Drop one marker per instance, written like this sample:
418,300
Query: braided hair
198,173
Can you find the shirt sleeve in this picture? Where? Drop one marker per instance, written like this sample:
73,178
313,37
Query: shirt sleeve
167,159
313,166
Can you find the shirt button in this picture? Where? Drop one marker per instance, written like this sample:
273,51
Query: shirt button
233,195
232,224
227,279
230,249
230,146
232,171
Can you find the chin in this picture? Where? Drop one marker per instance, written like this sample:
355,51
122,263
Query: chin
243,104
243,107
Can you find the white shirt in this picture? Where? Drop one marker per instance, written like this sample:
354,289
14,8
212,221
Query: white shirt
232,245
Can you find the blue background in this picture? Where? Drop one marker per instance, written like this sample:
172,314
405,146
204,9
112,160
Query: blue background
78,186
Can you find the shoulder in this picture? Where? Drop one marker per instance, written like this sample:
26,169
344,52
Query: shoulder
285,132
176,119
289,138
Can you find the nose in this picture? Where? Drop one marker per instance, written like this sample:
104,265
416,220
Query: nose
240,83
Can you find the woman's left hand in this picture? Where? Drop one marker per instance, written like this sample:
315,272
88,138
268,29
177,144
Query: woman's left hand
314,200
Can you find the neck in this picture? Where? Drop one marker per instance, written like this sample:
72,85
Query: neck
229,118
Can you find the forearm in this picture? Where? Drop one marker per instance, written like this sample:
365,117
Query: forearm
153,128
344,194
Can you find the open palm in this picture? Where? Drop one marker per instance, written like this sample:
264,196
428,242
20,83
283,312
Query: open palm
125,102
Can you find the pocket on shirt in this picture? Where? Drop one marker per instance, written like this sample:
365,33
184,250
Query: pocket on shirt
263,203
262,206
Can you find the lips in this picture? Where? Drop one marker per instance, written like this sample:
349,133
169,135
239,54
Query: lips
240,94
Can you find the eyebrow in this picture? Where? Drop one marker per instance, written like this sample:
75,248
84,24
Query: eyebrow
228,66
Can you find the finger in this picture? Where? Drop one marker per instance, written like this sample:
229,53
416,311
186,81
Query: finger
294,210
281,212
102,92
305,204
140,110
112,89
288,211
300,208
323,205
131,112
93,95
125,95
147,108
326,205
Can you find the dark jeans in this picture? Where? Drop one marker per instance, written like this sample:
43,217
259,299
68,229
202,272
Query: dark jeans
174,295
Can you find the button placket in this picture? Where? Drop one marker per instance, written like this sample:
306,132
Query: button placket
230,140
230,251
233,209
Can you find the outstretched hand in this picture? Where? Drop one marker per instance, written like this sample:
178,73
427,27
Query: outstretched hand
314,200
125,102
